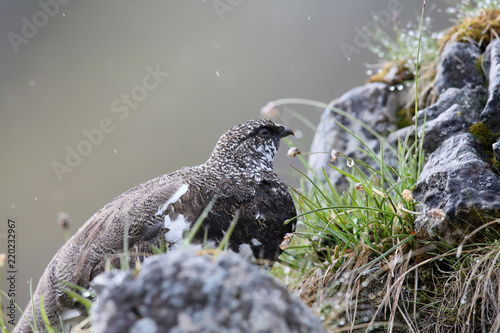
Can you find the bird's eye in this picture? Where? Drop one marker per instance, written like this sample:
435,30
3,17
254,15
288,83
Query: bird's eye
264,132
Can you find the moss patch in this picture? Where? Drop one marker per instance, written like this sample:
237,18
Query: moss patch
393,72
404,117
486,138
481,29
483,133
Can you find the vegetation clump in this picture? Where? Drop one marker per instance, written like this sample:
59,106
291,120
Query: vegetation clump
478,22
393,73
483,133
480,29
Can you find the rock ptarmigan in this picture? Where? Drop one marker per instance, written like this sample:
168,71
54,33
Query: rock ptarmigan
239,175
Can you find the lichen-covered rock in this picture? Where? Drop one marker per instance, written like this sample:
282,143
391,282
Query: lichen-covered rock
454,112
185,292
491,114
458,67
459,180
375,105
470,99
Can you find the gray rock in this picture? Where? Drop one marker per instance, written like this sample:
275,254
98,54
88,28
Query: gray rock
457,67
469,99
184,292
486,61
376,106
496,150
448,123
458,180
454,112
491,114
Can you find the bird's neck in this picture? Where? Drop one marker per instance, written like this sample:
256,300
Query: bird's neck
239,165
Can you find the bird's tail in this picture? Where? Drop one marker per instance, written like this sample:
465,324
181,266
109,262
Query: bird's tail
31,319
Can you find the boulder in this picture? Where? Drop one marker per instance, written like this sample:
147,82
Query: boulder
185,292
458,67
458,180
491,58
453,113
374,104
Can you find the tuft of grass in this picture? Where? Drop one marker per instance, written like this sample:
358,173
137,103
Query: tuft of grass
397,65
466,295
469,8
479,23
345,240
356,261
399,48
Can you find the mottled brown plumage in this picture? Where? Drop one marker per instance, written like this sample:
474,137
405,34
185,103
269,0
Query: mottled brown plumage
239,174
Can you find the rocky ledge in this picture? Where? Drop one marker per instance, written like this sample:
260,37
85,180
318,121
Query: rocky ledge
460,179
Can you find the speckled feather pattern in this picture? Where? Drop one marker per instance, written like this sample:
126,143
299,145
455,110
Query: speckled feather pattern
239,174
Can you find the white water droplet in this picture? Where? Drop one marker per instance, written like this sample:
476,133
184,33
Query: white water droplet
350,163
64,14
115,151
36,199
217,72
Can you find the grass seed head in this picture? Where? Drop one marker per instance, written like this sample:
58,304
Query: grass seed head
293,151
407,195
269,110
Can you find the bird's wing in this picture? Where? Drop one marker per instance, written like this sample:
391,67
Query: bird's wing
84,255
102,236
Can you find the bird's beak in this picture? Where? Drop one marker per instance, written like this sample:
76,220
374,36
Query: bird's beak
286,132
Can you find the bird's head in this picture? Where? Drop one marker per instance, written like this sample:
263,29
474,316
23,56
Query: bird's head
251,144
